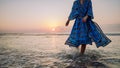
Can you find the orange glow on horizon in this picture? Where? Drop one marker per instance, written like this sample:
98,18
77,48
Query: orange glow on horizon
51,24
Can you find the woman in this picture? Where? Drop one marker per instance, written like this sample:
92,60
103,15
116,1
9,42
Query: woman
84,31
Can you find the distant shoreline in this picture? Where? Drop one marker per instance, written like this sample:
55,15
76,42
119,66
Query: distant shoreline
42,34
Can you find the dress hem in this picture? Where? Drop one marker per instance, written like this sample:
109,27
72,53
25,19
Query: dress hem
73,45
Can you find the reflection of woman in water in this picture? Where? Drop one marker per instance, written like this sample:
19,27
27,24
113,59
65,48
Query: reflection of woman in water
84,31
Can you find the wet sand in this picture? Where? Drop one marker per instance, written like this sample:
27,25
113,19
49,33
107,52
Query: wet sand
32,52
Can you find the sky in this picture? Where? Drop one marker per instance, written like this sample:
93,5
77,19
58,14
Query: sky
45,16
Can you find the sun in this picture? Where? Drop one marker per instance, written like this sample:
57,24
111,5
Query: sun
53,29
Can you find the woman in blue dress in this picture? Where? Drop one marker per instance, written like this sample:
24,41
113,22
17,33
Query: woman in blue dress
84,30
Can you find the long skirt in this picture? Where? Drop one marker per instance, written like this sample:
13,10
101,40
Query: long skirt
86,33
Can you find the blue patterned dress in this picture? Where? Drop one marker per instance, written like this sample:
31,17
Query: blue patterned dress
88,32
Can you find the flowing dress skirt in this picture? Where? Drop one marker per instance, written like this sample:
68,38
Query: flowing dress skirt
86,33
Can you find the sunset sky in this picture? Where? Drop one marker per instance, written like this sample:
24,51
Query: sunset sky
44,16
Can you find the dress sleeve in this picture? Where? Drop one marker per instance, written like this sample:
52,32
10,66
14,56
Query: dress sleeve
90,11
74,12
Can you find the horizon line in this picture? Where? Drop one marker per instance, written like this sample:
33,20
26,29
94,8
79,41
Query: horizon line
41,34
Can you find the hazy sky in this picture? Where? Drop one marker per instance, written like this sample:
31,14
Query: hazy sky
49,15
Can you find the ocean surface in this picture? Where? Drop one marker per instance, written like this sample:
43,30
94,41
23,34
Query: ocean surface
49,51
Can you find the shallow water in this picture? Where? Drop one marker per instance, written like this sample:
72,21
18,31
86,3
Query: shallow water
49,51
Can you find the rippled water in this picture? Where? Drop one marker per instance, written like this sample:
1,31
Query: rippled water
49,51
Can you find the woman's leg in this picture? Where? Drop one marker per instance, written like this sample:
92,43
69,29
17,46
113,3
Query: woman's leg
83,47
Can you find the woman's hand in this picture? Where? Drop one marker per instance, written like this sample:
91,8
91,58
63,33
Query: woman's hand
67,23
84,19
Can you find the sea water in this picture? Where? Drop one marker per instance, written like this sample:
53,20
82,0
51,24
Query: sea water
49,51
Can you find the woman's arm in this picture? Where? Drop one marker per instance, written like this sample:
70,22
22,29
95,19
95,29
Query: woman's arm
73,14
67,23
85,18
90,10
